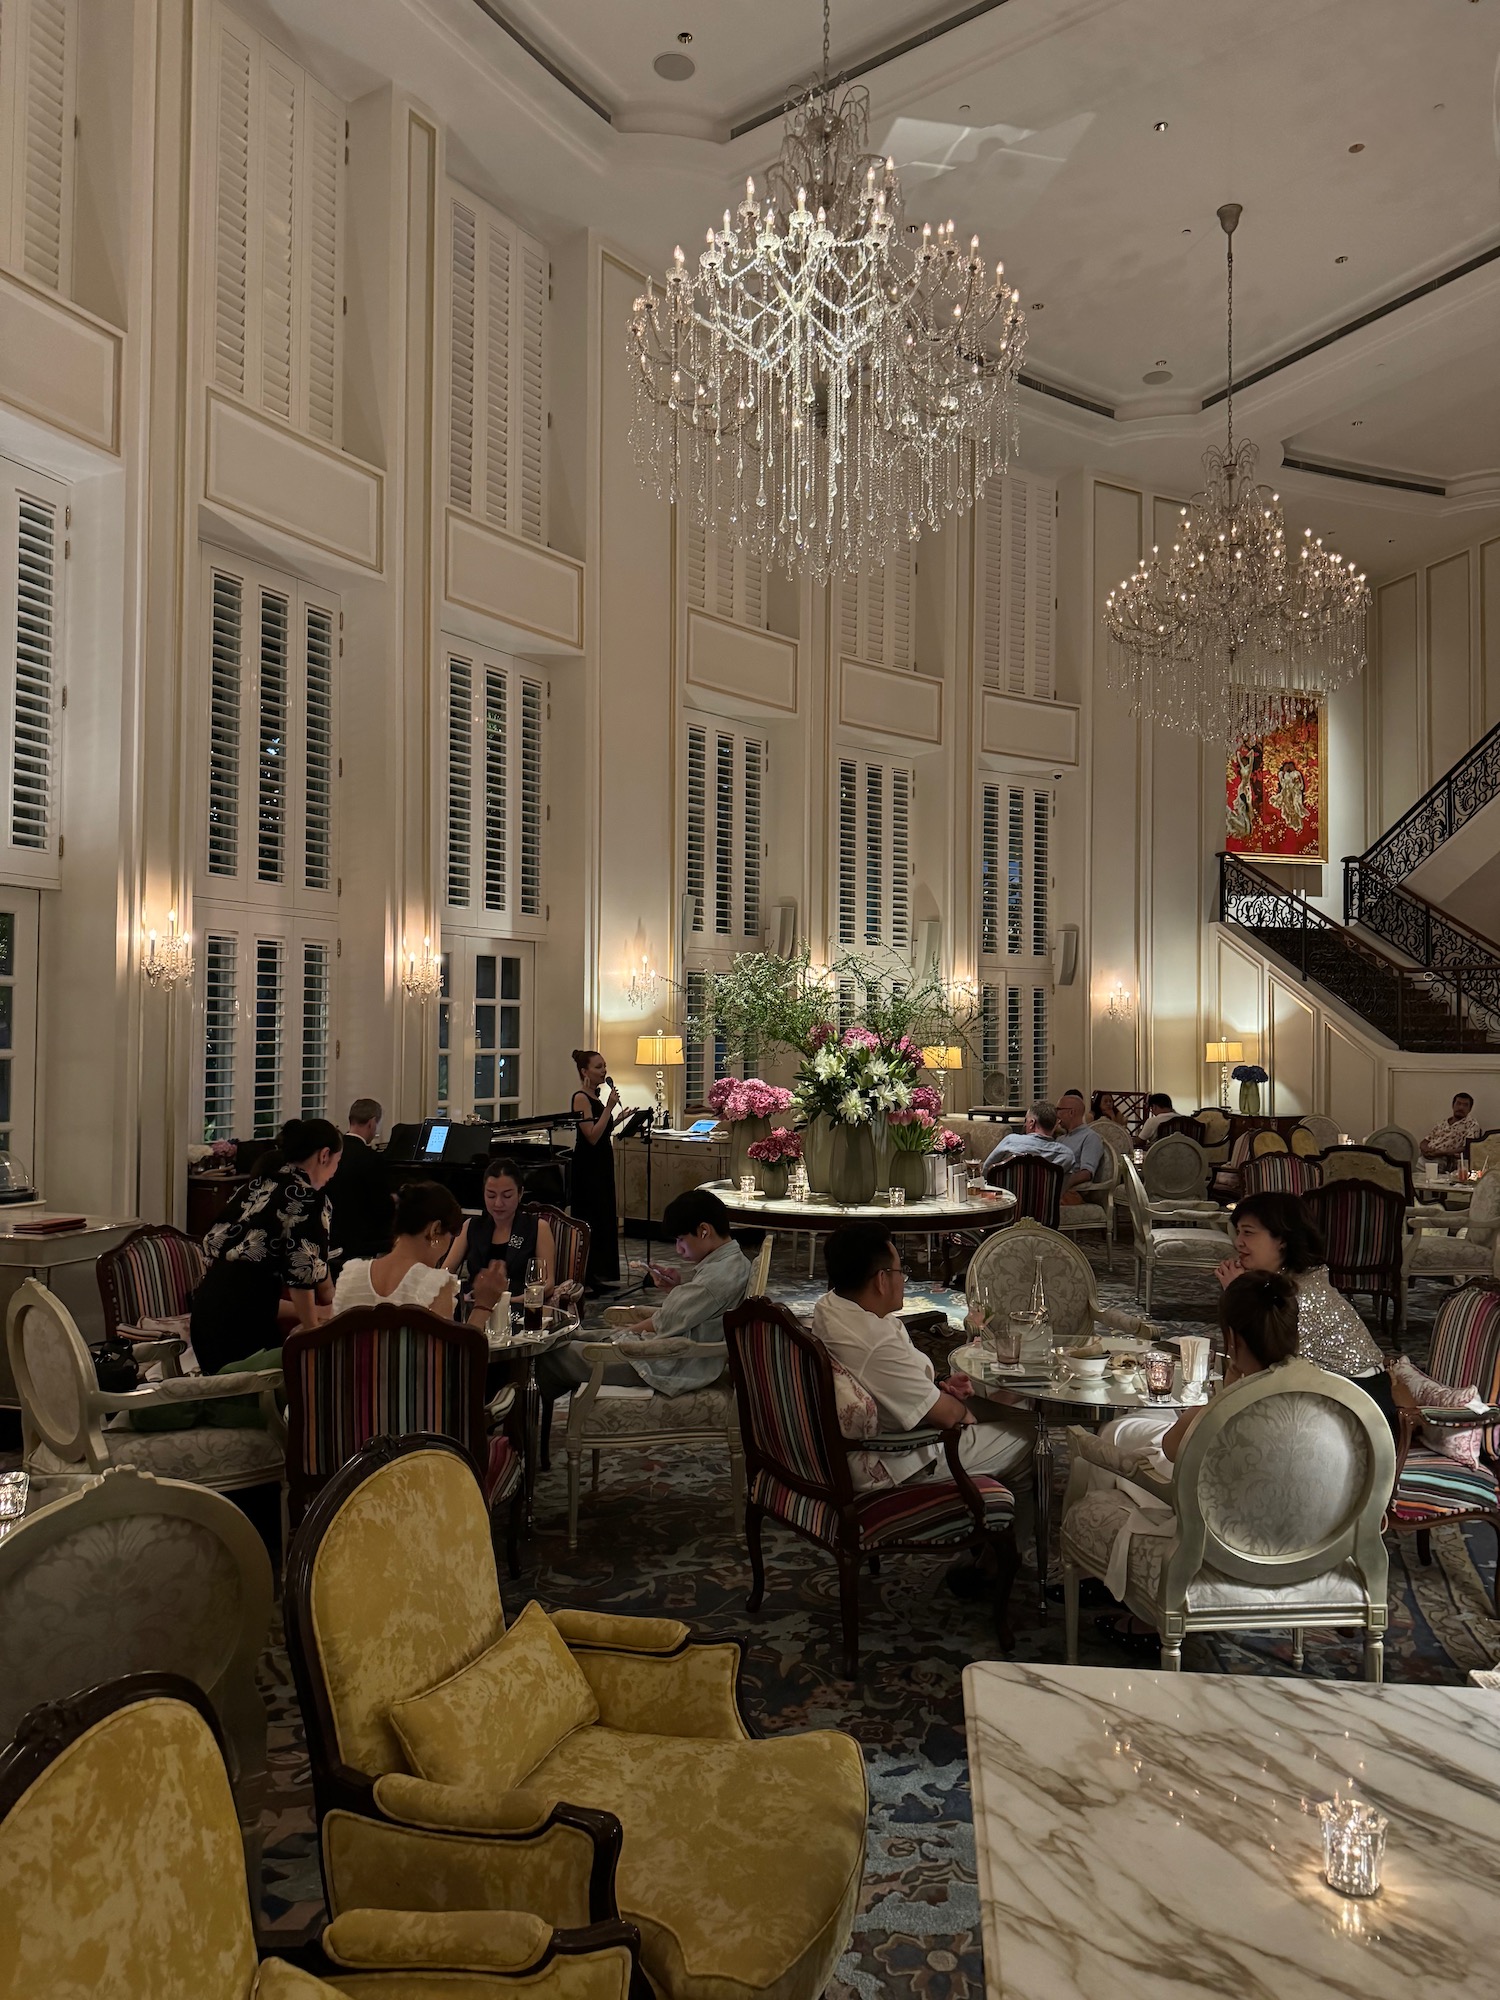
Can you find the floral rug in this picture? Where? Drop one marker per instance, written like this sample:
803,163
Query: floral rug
658,1538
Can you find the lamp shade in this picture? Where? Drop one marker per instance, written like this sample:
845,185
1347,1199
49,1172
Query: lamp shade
949,1058
659,1051
1223,1052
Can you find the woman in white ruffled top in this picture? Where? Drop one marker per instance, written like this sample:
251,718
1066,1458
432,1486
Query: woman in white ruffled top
410,1273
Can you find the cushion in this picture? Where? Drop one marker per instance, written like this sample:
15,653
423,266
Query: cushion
204,1455
1447,1254
857,1412
501,1714
929,1510
741,1861
1190,1246
1462,1445
472,1940
624,1411
1432,1488
1083,1215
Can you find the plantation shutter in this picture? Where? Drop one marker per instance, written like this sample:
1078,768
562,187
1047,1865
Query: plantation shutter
875,612
494,801
872,862
724,832
725,578
1015,830
277,229
1015,1028
267,998
270,737
219,1012
269,1028
1015,584
32,535
315,1014
497,368
38,66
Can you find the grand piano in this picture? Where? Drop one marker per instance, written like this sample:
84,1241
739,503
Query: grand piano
455,1154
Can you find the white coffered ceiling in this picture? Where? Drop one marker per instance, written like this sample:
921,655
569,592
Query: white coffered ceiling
1107,224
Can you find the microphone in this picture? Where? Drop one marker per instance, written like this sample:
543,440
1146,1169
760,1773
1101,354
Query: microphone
610,1081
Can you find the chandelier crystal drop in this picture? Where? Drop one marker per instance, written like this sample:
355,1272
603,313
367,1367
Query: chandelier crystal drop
1217,635
812,389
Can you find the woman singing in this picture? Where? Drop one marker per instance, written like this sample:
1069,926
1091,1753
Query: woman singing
593,1199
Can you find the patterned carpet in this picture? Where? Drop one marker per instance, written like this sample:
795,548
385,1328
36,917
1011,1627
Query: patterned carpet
658,1539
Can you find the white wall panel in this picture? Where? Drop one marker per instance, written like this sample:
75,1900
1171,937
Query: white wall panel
1292,1055
1450,728
1396,691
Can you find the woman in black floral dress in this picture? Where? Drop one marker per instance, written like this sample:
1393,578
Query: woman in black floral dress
272,1238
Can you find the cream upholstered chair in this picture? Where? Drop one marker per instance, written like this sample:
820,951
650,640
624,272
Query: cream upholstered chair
1175,1169
1215,1122
1095,1208
121,1876
1279,1491
603,1416
1484,1154
1002,1276
1157,1245
131,1574
65,1416
742,1858
1395,1142
1118,1136
1457,1243
1364,1163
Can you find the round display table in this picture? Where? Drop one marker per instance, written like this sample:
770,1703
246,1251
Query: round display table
820,1216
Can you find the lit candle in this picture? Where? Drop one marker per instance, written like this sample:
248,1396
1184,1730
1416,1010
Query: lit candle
1353,1846
747,1184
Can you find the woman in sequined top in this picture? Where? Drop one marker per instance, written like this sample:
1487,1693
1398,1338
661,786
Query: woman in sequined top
1273,1232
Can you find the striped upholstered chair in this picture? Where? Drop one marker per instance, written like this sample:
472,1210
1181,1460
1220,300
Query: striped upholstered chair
1434,1490
388,1371
1279,1173
797,1468
570,1245
1364,1226
151,1275
1036,1184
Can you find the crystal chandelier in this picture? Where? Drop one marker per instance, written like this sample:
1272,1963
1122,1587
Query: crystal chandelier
168,961
421,978
811,390
1221,634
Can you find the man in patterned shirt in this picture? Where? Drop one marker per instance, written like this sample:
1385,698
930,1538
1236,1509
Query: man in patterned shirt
1448,1140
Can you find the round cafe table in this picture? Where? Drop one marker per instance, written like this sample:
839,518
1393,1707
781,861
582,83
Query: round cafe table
820,1217
1054,1404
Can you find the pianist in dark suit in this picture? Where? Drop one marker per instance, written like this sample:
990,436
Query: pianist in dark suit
360,1197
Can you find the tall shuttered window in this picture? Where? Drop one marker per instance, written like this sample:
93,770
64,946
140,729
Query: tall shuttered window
497,368
724,830
33,535
38,65
267,1011
725,578
270,719
875,612
276,229
1015,822
873,853
494,806
1014,583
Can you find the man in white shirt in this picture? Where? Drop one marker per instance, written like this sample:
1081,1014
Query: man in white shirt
1158,1111
856,1321
1041,1138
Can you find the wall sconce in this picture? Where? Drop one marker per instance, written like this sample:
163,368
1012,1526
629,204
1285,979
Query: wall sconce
1121,1002
642,984
168,961
421,978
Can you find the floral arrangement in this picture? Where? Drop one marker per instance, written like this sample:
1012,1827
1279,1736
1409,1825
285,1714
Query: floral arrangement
775,1151
1250,1073
852,1078
734,1098
763,1003
949,1141
916,1129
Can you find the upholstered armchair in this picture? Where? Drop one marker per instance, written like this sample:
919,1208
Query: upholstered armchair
121,1875
1279,1173
1454,1243
1036,1184
604,1416
570,1245
1167,1246
458,1764
1002,1276
72,1429
1175,1169
1367,1163
1395,1142
1364,1225
150,1276
133,1574
1325,1131
1095,1208
1278,1494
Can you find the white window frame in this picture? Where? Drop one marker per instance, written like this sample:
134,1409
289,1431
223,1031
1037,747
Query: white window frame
274,230
457,1012
38,149
493,795
873,849
34,521
263,1058
238,693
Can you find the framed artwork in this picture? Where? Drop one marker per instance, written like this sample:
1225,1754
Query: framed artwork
1276,788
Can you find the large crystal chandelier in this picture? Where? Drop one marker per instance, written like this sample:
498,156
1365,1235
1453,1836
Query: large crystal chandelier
1216,636
812,390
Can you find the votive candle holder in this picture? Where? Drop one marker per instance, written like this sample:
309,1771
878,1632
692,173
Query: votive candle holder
1353,1846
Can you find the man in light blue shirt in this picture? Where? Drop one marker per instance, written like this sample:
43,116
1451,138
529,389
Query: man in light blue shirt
1081,1140
1040,1138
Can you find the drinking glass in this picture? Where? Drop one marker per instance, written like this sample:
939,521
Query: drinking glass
898,1197
747,1184
13,1487
534,1297
1005,1339
1158,1369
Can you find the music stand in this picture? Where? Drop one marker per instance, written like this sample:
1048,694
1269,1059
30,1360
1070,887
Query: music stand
642,1122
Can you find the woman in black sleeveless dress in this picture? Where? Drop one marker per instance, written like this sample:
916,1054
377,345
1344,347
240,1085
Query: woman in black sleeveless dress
503,1232
593,1198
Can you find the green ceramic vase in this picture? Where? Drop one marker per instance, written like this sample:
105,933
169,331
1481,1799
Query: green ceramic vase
851,1168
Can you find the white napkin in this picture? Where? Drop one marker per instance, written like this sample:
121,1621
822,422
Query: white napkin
1193,1347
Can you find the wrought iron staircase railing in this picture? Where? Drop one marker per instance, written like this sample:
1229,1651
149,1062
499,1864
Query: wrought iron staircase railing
1443,808
1447,948
1419,1009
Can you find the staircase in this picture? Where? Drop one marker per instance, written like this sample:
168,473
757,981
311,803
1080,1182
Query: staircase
1427,1010
1461,965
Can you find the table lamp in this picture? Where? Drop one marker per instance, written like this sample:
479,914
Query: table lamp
941,1060
1224,1053
659,1052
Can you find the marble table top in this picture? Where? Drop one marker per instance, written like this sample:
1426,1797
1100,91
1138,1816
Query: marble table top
992,1209
1142,1834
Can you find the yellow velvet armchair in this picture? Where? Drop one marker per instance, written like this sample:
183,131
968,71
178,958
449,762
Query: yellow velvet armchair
122,1876
439,1739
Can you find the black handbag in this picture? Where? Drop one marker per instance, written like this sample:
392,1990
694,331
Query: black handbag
116,1369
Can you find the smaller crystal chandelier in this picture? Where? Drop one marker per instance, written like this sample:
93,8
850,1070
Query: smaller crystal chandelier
643,984
1121,1004
1222,635
168,960
421,978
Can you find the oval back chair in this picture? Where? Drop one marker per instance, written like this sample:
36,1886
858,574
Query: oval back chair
1395,1142
1002,1276
1175,1169
151,1275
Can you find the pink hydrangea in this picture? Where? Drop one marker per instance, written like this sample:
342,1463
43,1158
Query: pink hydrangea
949,1142
781,1146
860,1038
925,1098
820,1037
720,1094
735,1098
908,1048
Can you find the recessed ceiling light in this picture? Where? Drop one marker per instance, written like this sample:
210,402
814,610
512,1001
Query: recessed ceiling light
1156,376
1160,125
673,68
1359,148
963,107
685,37
1187,232
1356,423
1341,260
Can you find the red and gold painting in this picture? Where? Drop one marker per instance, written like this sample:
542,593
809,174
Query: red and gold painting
1276,788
